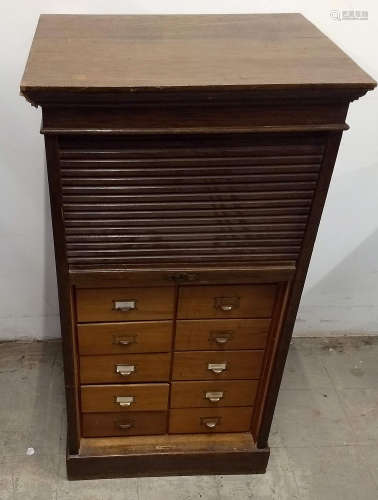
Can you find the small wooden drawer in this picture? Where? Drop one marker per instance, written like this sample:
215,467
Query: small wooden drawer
212,365
227,301
193,420
120,398
124,304
220,334
124,368
114,338
121,424
213,393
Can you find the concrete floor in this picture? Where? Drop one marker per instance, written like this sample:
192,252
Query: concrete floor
324,438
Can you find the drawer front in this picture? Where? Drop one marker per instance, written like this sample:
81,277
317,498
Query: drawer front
219,334
114,338
124,398
124,304
227,301
194,420
211,365
121,424
216,393
123,368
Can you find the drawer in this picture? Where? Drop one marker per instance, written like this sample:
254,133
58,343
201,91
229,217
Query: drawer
227,301
114,338
126,397
123,368
213,393
220,334
211,365
194,420
124,304
121,424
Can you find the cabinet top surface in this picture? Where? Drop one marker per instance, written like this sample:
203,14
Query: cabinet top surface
100,53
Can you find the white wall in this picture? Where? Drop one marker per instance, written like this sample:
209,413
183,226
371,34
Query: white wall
341,295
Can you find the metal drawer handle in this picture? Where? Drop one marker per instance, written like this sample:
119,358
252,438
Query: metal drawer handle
226,304
221,337
129,425
124,305
214,397
125,340
125,400
125,369
221,340
217,367
225,307
210,423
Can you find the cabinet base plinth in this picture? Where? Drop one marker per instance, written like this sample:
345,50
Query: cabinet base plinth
169,455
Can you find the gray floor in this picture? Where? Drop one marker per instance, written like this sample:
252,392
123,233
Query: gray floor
324,439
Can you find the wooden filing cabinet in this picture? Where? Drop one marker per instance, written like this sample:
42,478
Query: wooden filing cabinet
189,159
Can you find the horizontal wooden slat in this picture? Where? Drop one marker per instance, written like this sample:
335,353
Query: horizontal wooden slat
209,236
262,214
198,166
106,229
188,258
97,196
191,188
112,147
183,221
252,181
180,251
259,206
77,269
272,244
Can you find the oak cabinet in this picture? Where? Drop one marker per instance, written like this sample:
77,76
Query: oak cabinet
189,159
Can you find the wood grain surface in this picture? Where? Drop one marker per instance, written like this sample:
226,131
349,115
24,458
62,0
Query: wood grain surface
126,337
221,334
102,398
92,52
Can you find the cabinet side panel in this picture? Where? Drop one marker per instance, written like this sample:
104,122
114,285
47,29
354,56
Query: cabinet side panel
66,302
329,159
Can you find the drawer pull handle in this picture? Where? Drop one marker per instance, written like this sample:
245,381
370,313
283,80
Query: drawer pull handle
221,337
129,425
217,367
226,307
226,304
210,423
214,397
125,400
125,370
125,340
221,340
124,305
